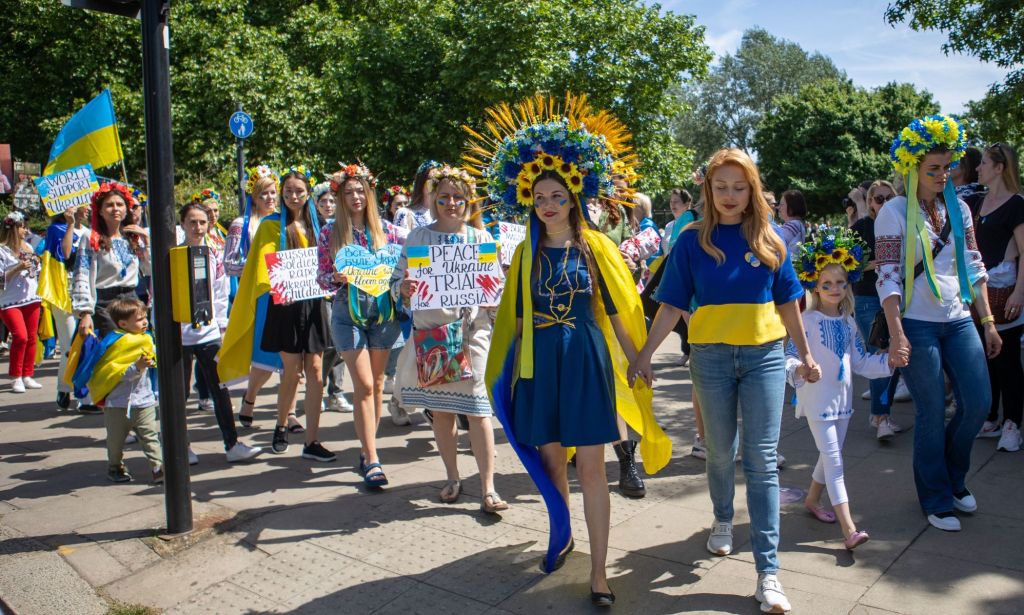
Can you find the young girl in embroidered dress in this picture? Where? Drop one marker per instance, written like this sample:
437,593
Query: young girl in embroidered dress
827,268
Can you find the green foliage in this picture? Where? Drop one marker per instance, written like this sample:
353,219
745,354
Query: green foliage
832,136
389,82
727,106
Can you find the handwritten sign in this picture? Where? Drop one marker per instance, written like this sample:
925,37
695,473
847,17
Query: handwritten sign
368,271
511,236
67,189
25,196
454,275
293,275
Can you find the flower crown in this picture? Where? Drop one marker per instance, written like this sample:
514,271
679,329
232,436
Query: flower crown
585,148
140,196
321,189
394,191
257,173
832,245
299,170
116,187
352,171
204,195
427,165
924,135
446,171
13,219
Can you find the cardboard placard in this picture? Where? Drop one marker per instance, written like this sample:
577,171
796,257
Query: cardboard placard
511,236
455,275
368,271
293,275
67,189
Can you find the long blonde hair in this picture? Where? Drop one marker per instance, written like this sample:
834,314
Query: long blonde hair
756,227
10,236
878,183
341,231
258,187
846,305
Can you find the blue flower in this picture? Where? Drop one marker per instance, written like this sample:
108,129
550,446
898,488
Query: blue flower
828,245
550,146
853,276
807,264
511,170
857,252
590,184
510,196
526,155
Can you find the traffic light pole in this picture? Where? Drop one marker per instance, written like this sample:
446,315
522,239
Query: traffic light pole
160,174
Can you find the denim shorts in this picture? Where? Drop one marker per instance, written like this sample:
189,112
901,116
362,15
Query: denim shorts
349,335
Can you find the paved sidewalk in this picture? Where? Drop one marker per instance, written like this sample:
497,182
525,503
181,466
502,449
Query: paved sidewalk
286,535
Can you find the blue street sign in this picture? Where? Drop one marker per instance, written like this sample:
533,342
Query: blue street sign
240,124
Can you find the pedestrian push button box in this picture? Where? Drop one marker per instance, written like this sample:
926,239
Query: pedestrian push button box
191,285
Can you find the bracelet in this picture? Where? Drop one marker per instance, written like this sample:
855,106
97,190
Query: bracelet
987,319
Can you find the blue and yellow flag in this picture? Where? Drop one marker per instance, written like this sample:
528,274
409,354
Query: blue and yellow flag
90,136
53,274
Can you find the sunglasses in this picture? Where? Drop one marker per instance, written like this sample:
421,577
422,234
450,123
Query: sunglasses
998,147
880,199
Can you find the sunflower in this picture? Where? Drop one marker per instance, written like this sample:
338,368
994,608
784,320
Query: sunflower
549,162
525,195
575,180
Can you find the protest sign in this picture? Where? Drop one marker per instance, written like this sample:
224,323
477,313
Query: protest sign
368,271
67,189
293,275
25,196
454,275
511,235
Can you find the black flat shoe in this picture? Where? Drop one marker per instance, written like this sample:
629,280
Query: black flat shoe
603,600
561,557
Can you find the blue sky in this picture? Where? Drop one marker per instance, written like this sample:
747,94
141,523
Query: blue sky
854,34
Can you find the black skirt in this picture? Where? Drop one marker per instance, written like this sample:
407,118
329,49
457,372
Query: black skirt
300,327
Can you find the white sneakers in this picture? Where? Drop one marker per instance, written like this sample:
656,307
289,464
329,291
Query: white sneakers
398,414
990,429
17,385
242,452
947,524
902,392
389,385
770,594
720,540
206,405
885,426
193,459
965,501
698,449
1010,440
338,403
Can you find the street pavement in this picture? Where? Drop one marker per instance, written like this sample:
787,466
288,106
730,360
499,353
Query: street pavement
287,535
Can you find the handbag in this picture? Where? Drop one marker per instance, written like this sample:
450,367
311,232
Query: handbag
997,304
441,357
879,336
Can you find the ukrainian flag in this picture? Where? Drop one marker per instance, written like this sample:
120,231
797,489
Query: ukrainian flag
90,136
488,253
418,256
53,274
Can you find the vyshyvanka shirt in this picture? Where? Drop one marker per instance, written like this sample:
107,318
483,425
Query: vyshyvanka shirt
735,300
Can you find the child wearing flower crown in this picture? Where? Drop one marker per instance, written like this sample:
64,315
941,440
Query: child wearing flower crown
827,268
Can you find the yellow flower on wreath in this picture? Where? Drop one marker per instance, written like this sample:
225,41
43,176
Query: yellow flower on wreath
838,256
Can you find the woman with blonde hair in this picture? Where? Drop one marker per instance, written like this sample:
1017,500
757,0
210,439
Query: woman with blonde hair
742,325
363,325
19,300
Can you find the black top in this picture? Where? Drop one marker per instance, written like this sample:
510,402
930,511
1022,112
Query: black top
865,227
995,231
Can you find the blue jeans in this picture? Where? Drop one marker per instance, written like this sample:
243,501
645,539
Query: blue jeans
726,379
864,313
942,453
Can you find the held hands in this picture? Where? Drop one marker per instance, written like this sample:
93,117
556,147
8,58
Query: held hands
899,350
809,370
85,323
640,366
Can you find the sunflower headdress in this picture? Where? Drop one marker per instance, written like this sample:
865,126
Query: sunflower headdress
833,245
257,173
521,141
300,170
924,135
204,195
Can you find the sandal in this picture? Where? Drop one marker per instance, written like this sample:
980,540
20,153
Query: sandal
454,489
373,475
295,427
820,513
493,503
243,420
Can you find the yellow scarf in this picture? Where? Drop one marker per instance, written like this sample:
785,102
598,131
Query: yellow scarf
121,355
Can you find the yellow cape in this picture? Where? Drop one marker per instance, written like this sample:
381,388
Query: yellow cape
53,282
116,360
632,403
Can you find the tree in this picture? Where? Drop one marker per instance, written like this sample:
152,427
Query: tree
991,30
389,82
833,135
727,106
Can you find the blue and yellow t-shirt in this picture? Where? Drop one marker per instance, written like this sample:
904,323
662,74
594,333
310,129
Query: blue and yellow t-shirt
736,300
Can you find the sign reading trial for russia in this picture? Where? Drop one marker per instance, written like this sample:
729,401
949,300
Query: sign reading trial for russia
454,276
293,275
67,189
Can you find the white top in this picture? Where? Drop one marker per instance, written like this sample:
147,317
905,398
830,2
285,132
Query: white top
220,287
22,288
890,229
836,344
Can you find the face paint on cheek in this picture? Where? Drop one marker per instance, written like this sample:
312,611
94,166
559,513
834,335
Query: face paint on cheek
930,173
562,202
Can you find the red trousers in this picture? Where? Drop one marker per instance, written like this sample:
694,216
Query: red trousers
23,323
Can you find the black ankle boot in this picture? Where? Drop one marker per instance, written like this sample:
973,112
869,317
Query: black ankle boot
630,483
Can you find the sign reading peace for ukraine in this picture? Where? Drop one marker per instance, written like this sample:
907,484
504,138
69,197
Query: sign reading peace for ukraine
454,275
366,270
67,189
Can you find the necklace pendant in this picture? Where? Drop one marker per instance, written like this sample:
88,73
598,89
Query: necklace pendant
751,259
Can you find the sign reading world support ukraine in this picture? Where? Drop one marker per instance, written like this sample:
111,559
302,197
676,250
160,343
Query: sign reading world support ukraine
67,189
454,275
241,124
368,271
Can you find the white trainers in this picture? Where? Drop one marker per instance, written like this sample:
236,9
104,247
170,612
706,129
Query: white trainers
866,394
193,459
990,429
206,405
698,449
1010,441
338,403
965,501
242,452
885,431
770,594
30,383
780,460
398,414
902,392
946,524
389,385
720,540
17,386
